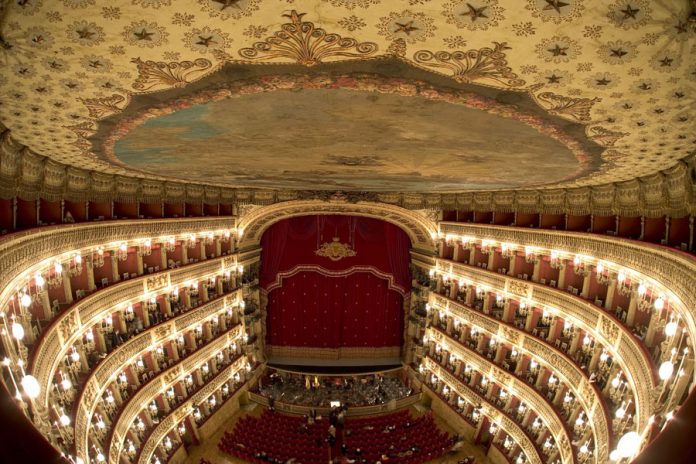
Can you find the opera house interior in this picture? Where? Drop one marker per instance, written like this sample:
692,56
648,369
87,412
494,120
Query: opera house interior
428,232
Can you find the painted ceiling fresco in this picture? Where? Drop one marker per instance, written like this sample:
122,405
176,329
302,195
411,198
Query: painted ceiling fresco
621,70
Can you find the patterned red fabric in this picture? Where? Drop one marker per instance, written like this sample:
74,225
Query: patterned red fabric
316,302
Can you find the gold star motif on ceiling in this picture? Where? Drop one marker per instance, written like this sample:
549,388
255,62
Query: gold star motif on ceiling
555,5
630,12
205,41
553,79
144,35
475,13
228,3
558,50
406,28
603,81
618,52
85,33
666,61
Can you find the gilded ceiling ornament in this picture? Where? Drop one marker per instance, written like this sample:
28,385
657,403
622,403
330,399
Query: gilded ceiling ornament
96,64
78,3
604,136
152,3
301,42
407,25
352,23
205,39
571,108
82,129
335,250
145,34
558,49
397,48
485,64
617,52
630,14
226,9
556,11
473,14
102,107
352,4
85,33
29,7
152,74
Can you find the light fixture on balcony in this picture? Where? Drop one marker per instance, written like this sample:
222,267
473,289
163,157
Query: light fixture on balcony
192,241
25,299
555,260
209,238
75,265
671,328
169,244
122,252
39,281
55,275
645,297
579,267
624,284
530,255
467,241
487,247
146,248
507,250
98,257
602,273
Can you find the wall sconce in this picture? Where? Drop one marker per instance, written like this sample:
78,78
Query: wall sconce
122,252
146,248
75,265
55,275
98,257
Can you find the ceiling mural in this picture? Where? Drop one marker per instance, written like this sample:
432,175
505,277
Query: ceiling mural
367,130
621,72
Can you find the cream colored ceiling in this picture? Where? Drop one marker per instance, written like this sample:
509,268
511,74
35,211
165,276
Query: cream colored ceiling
630,63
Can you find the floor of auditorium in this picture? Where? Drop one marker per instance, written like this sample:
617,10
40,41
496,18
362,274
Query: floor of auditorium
209,449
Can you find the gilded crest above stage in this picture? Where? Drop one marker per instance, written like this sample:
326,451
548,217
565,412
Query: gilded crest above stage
335,250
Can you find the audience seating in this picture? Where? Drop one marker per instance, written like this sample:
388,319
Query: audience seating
279,437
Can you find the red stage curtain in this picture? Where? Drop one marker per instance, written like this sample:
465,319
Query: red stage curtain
313,310
356,301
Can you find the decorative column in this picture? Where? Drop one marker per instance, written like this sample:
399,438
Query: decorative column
513,264
139,260
537,270
91,285
632,308
203,256
184,253
561,274
586,285
163,256
67,287
611,291
114,267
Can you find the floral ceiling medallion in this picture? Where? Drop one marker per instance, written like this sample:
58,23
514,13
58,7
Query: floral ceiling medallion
473,65
335,250
301,42
154,75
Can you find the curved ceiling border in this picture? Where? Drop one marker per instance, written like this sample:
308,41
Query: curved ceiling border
29,176
419,228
